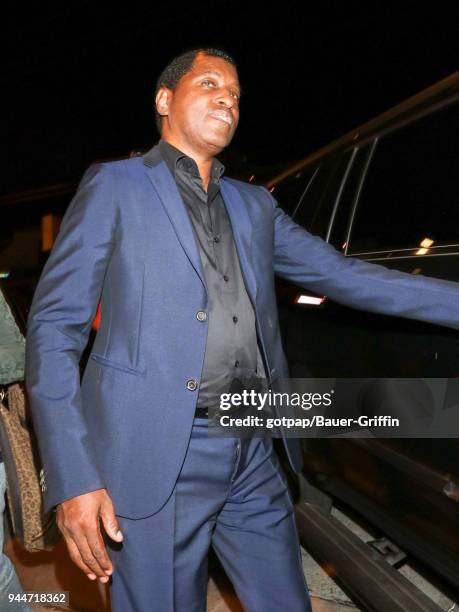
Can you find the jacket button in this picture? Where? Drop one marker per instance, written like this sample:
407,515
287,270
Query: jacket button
201,315
192,384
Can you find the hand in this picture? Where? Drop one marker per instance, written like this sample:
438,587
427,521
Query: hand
78,519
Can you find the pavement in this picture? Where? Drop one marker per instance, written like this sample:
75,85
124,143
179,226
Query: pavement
54,571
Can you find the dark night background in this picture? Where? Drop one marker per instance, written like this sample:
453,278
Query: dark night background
78,80
78,77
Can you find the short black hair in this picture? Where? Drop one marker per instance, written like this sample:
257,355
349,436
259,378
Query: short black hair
182,64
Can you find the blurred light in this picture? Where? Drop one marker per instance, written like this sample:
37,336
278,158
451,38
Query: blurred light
252,178
344,245
271,189
49,228
96,322
329,569
4,274
308,299
421,251
426,243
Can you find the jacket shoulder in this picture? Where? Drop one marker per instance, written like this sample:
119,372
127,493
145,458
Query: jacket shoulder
116,175
251,191
120,166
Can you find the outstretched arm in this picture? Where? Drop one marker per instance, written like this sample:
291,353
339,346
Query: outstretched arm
308,261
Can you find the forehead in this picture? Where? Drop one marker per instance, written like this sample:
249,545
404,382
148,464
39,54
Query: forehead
213,65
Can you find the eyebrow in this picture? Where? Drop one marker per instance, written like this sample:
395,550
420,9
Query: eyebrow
218,74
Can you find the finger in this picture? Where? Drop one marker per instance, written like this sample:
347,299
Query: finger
110,522
99,550
89,559
75,556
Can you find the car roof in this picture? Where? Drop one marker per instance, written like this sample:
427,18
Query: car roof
423,102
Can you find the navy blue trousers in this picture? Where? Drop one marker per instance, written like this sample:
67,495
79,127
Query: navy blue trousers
232,495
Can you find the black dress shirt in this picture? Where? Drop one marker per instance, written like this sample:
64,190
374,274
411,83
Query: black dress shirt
232,352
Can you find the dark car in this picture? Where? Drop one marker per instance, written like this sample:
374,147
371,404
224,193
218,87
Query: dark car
386,193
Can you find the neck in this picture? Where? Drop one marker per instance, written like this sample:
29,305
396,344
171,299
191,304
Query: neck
203,160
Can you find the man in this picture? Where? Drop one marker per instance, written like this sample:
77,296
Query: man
183,261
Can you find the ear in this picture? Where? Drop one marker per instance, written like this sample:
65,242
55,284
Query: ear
162,101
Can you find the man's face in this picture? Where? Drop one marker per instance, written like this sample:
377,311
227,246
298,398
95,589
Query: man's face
203,109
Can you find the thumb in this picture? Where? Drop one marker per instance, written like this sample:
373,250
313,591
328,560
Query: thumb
110,522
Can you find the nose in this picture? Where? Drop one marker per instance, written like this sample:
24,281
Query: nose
225,98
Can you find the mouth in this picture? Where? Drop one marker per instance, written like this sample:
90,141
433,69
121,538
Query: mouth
223,116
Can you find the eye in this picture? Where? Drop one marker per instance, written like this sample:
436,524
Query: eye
236,95
208,82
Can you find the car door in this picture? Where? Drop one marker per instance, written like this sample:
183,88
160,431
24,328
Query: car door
398,207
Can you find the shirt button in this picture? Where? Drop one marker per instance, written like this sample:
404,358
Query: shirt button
216,239
201,315
226,278
234,319
192,384
236,363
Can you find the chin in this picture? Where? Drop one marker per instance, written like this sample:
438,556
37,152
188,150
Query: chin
219,141
215,145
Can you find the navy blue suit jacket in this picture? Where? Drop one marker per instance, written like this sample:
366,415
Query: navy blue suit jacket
127,240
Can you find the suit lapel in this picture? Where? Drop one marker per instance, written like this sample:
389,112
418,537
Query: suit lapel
166,188
175,208
242,232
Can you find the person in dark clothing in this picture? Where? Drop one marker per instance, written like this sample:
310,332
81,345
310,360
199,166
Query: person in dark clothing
12,357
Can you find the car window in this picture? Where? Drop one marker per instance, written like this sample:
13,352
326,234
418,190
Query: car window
290,190
315,210
410,195
355,171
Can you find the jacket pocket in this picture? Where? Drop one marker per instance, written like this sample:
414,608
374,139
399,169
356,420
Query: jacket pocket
117,366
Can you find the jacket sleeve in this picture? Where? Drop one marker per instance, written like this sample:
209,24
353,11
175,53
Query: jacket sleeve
58,327
310,262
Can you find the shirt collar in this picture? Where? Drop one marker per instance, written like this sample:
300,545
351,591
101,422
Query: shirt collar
175,158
